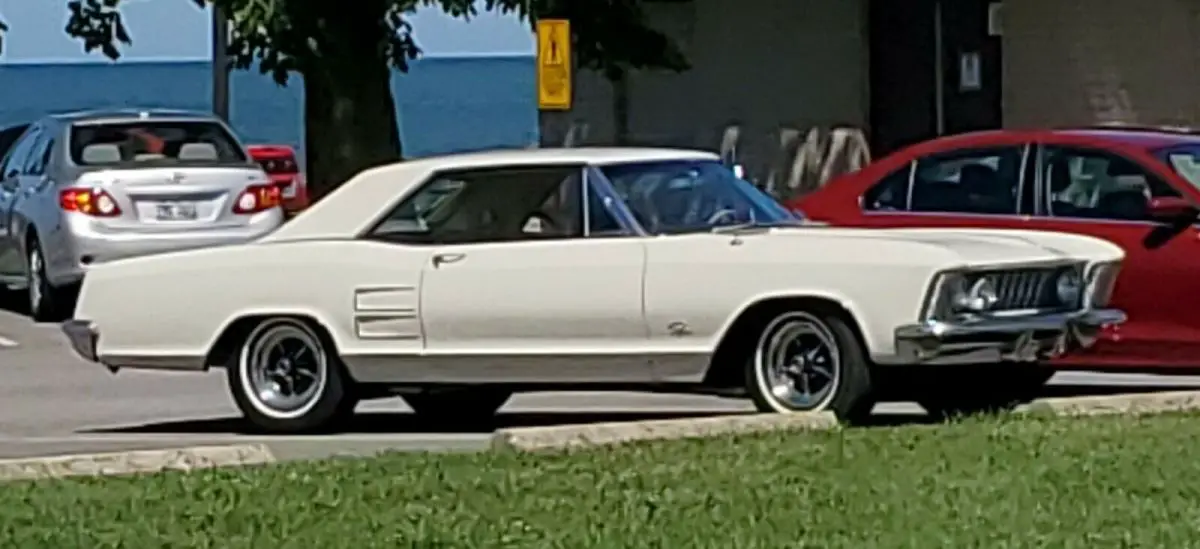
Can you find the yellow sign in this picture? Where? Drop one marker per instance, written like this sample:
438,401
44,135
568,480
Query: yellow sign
554,64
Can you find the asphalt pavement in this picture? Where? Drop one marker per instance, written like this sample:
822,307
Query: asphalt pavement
55,403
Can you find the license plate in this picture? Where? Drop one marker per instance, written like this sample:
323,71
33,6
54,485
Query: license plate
175,211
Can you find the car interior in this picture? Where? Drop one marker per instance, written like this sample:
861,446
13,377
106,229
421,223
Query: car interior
973,185
190,142
1099,188
494,206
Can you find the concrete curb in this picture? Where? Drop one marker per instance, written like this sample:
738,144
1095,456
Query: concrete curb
559,437
563,437
141,461
1130,403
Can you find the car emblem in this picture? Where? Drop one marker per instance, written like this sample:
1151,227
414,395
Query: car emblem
177,177
678,329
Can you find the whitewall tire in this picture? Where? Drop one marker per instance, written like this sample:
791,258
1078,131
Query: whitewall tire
287,379
809,361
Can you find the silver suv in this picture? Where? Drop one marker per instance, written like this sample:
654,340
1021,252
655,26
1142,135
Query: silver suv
84,188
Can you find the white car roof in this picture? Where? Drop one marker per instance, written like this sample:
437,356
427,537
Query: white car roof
348,210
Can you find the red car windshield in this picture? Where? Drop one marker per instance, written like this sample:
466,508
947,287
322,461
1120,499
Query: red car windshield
1185,160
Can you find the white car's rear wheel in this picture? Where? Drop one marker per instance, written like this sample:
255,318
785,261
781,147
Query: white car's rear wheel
287,380
807,362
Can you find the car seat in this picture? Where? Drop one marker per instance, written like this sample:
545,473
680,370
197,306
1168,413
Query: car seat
986,192
1124,204
198,152
101,153
1059,181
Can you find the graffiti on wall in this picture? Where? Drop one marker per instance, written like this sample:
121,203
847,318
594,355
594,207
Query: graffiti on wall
798,162
788,163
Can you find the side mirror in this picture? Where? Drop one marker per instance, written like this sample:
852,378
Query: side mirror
1171,209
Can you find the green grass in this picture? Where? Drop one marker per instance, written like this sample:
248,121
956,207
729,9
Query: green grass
1054,483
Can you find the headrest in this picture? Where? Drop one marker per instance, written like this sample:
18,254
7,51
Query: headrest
974,174
198,151
101,153
1121,166
1059,175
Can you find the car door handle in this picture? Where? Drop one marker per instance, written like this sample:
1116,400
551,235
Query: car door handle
441,259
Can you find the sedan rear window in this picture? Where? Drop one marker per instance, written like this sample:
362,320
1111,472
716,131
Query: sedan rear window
154,143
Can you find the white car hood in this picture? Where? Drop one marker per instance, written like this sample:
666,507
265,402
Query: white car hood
999,247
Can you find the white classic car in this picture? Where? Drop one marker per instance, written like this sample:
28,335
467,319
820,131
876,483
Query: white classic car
458,280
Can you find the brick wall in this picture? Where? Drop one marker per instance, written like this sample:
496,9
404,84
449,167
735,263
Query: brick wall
759,63
1072,62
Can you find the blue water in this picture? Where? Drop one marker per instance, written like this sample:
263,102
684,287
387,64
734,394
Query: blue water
443,104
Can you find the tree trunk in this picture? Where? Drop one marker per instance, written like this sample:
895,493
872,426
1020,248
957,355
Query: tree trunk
349,111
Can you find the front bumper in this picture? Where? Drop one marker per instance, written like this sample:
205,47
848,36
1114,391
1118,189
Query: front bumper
1002,339
83,337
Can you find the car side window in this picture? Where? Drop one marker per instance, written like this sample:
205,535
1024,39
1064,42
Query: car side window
1098,184
986,180
889,194
38,155
14,163
495,205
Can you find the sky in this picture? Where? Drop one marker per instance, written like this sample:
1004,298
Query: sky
177,30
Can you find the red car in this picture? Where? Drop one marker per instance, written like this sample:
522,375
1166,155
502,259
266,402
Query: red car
279,161
1138,188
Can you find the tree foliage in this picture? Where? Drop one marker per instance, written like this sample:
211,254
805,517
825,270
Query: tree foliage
344,50
285,36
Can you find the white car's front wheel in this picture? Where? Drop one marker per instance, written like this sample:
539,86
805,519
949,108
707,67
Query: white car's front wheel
807,362
286,378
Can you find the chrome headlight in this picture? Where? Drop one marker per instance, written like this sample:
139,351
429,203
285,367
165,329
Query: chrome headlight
1101,281
1068,287
980,296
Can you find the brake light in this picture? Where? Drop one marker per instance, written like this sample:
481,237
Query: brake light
93,202
257,198
276,166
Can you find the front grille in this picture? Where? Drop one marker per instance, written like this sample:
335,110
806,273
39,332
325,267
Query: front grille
1027,289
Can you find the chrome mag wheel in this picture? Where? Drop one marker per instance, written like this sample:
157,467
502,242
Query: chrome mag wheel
798,362
283,369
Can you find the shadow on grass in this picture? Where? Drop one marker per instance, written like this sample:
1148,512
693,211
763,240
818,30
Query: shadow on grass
400,423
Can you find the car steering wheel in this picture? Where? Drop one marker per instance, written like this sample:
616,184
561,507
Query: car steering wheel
719,215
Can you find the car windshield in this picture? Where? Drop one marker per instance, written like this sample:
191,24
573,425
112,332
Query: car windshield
681,196
154,143
1185,160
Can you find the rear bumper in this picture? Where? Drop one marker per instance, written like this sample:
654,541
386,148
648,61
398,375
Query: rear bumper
1019,339
81,245
83,337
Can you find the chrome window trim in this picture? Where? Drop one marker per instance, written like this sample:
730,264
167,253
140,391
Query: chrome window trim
616,205
1021,178
584,206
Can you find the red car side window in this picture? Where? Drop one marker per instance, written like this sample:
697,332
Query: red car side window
890,194
971,181
1098,184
